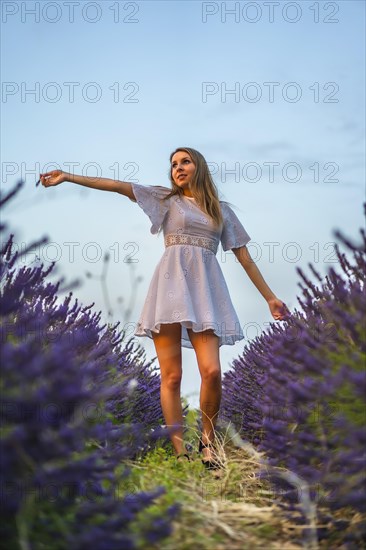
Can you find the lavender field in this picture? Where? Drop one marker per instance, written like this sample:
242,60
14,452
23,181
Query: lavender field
298,393
76,404
85,458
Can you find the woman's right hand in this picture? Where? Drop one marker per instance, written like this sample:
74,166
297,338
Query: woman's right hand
55,177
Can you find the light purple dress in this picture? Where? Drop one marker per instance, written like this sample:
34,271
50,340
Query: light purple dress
188,286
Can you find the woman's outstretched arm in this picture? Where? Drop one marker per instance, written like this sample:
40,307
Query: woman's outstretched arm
55,177
277,307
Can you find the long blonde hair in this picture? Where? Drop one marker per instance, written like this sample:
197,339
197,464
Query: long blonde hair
202,186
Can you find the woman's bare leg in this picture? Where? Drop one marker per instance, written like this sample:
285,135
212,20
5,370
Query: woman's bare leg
206,347
168,349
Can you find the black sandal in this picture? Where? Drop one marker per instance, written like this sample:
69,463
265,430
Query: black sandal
181,455
209,464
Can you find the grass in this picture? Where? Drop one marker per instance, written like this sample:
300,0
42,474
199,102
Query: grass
225,509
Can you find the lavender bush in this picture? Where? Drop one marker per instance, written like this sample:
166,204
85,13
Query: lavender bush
76,402
302,388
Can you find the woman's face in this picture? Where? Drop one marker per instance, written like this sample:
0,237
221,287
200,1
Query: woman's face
183,169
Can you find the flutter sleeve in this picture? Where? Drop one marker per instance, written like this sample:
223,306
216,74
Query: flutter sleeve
150,199
233,233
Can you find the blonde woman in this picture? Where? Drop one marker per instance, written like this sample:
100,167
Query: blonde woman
188,303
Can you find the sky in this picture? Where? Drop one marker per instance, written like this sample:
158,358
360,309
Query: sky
271,93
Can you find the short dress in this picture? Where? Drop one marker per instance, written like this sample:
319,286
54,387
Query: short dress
188,286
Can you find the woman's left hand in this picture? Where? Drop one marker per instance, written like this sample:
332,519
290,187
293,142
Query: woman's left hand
278,309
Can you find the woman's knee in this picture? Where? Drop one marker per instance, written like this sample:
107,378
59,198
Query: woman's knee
210,373
172,381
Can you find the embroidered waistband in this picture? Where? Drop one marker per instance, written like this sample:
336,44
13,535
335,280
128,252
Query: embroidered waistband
203,242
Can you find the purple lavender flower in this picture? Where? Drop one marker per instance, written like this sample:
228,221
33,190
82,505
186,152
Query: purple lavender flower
76,402
298,390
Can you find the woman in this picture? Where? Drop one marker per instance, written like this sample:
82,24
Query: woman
188,303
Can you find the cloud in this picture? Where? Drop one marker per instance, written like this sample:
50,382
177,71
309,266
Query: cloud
349,128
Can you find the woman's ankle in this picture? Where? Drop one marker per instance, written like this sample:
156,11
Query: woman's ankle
208,438
178,447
